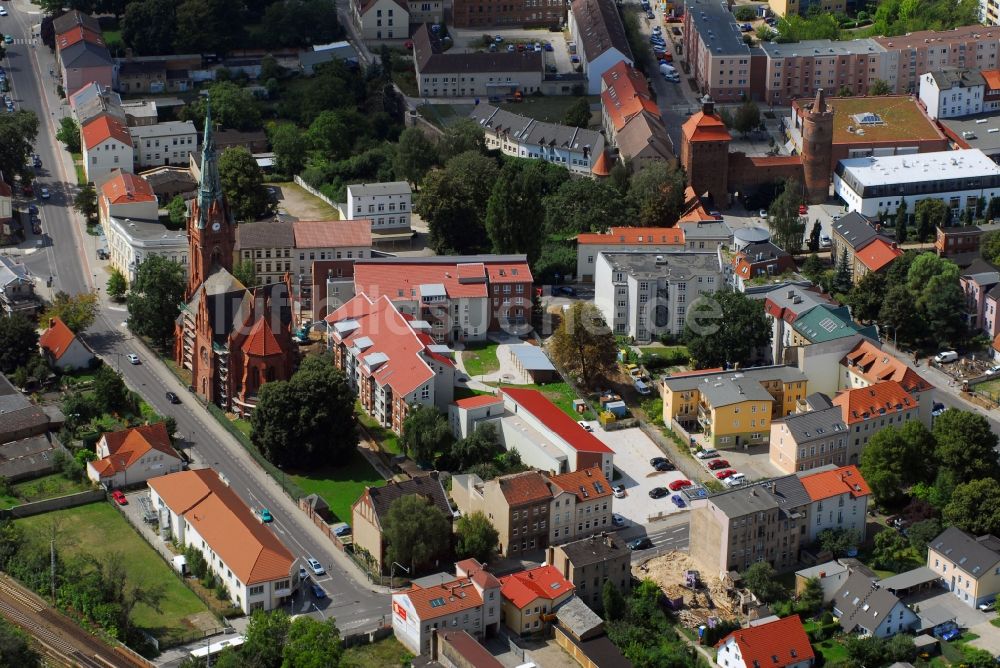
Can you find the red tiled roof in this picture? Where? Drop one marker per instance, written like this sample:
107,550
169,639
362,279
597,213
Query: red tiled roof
875,365
521,488
125,188
261,341
780,643
558,422
603,165
524,587
445,599
476,572
126,447
57,339
78,34
865,403
992,78
701,127
105,127
673,236
508,272
626,94
878,254
827,484
478,401
228,526
694,210
587,484
332,233
402,282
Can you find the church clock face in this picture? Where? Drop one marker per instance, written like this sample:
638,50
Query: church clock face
216,226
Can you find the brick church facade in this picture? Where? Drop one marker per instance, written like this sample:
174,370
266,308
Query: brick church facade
232,339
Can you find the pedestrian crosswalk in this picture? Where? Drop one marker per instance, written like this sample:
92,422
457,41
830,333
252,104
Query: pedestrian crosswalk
21,40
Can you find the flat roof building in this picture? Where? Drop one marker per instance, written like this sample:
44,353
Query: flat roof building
718,56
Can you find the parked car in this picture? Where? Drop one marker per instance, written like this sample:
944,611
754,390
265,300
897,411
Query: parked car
132,358
763,214
825,241
342,530
618,520
303,575
567,290
642,388
640,544
724,473
316,567
619,491
45,193
678,501
657,460
717,464
650,15
803,209
583,424
665,465
173,398
707,454
946,356
318,591
658,492
735,480
119,497
938,409
988,606
678,485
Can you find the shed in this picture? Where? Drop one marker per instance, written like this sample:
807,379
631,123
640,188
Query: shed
617,408
533,363
911,582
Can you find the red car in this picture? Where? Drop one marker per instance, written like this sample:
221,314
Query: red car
119,497
717,464
725,473
803,210
678,485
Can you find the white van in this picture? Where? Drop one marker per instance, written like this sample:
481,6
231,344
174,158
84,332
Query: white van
946,356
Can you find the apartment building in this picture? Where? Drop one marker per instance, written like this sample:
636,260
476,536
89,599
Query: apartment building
623,239
867,249
733,409
517,506
969,566
802,7
496,14
470,601
590,562
197,509
581,504
107,145
461,297
83,57
839,501
645,294
867,410
387,205
784,305
954,242
631,119
866,364
805,441
911,55
530,596
799,69
719,59
381,19
579,150
765,521
597,29
167,143
952,93
826,323
282,247
977,281
390,360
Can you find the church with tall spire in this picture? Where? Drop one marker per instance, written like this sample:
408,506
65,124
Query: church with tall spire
230,337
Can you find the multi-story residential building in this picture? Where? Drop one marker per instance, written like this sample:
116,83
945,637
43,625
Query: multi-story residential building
800,69
197,509
715,51
83,57
462,297
863,607
783,306
93,100
761,522
387,205
282,247
597,29
782,643
492,13
530,596
493,75
590,562
167,143
853,235
470,601
872,186
706,234
645,294
866,364
827,323
759,261
368,513
731,406
952,93
867,410
381,19
133,456
791,7
623,239
579,150
389,360
107,145
17,289
581,504
977,281
911,55
631,119
839,501
969,566
805,441
517,506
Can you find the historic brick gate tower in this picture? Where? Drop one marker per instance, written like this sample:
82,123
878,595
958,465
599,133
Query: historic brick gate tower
817,149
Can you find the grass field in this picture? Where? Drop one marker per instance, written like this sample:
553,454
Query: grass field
381,654
479,360
832,650
443,115
562,395
46,487
548,109
99,529
340,486
386,437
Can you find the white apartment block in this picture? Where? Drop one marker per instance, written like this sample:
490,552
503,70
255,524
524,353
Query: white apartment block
388,205
168,143
952,93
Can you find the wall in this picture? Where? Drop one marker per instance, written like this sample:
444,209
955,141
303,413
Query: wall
746,173
58,503
312,191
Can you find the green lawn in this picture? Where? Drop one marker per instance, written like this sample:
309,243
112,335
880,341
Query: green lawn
407,82
99,529
46,487
386,437
481,359
382,654
340,486
561,394
81,173
443,115
546,108
832,650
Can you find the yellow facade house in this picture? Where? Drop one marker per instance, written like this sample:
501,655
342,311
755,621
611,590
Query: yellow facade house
969,566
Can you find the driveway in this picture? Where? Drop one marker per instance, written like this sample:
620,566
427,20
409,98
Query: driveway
754,465
965,616
633,450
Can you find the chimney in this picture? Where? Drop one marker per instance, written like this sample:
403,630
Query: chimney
819,106
550,554
822,574
52,323
707,105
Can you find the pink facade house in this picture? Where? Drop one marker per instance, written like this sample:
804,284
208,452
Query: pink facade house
83,58
981,284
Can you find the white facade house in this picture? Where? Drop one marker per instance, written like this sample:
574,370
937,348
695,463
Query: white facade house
63,349
952,93
381,19
839,501
872,185
168,143
107,146
197,509
599,35
388,205
620,239
643,294
782,643
133,456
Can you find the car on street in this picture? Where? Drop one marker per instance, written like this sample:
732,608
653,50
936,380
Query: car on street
658,492
3,11
640,544
32,208
173,398
678,485
498,39
316,567
724,473
583,424
45,193
988,606
119,497
650,15
763,214
567,290
132,358
717,464
342,530
825,241
318,591
678,501
265,516
8,39
707,454
619,491
303,574
618,520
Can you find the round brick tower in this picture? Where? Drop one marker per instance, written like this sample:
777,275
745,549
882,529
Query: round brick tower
817,149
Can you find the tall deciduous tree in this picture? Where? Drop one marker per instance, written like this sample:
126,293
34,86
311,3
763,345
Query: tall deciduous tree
243,183
425,433
15,648
76,311
85,202
149,26
265,638
581,205
117,286
975,507
290,147
18,342
747,118
479,447
578,114
889,550
451,201
930,214
761,579
477,537
245,273
461,137
515,206
866,297
155,298
584,345
417,532
614,604
177,211
232,106
110,393
897,457
416,155
725,328
69,134
656,196
966,446
301,22
312,643
783,217
18,132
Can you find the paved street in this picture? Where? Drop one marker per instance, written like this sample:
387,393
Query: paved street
70,258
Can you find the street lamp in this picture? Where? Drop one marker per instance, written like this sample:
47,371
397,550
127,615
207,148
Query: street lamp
392,572
316,607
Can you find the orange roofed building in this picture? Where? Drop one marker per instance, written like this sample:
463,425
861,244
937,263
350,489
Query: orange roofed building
839,501
705,153
107,145
867,410
590,244
62,348
779,644
199,510
134,455
470,601
529,597
866,364
631,118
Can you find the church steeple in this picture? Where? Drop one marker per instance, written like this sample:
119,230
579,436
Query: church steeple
209,188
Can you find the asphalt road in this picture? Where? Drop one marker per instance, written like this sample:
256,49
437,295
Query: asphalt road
67,256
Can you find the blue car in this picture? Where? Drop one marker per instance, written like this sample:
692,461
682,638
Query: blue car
678,500
343,530
318,591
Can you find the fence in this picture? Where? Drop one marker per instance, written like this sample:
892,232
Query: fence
312,191
58,503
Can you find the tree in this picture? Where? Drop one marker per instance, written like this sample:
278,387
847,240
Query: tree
15,649
839,541
879,87
866,297
207,25
814,235
747,118
583,345
476,537
784,220
974,507
901,219
177,211
265,638
923,532
308,420
155,297
889,550
990,244
725,328
613,603
69,134
290,146
557,261
245,273
761,579
117,286
812,268
333,132
232,106
515,205
110,393
451,201
966,445
930,214
85,202
149,26
425,433
993,209
656,196
481,446
581,205
811,597
311,643
18,132
897,457
461,137
76,312
416,531
416,155
842,281
578,114
298,22
243,183
18,342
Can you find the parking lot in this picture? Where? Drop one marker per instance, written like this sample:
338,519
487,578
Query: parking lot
469,40
633,450
754,465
